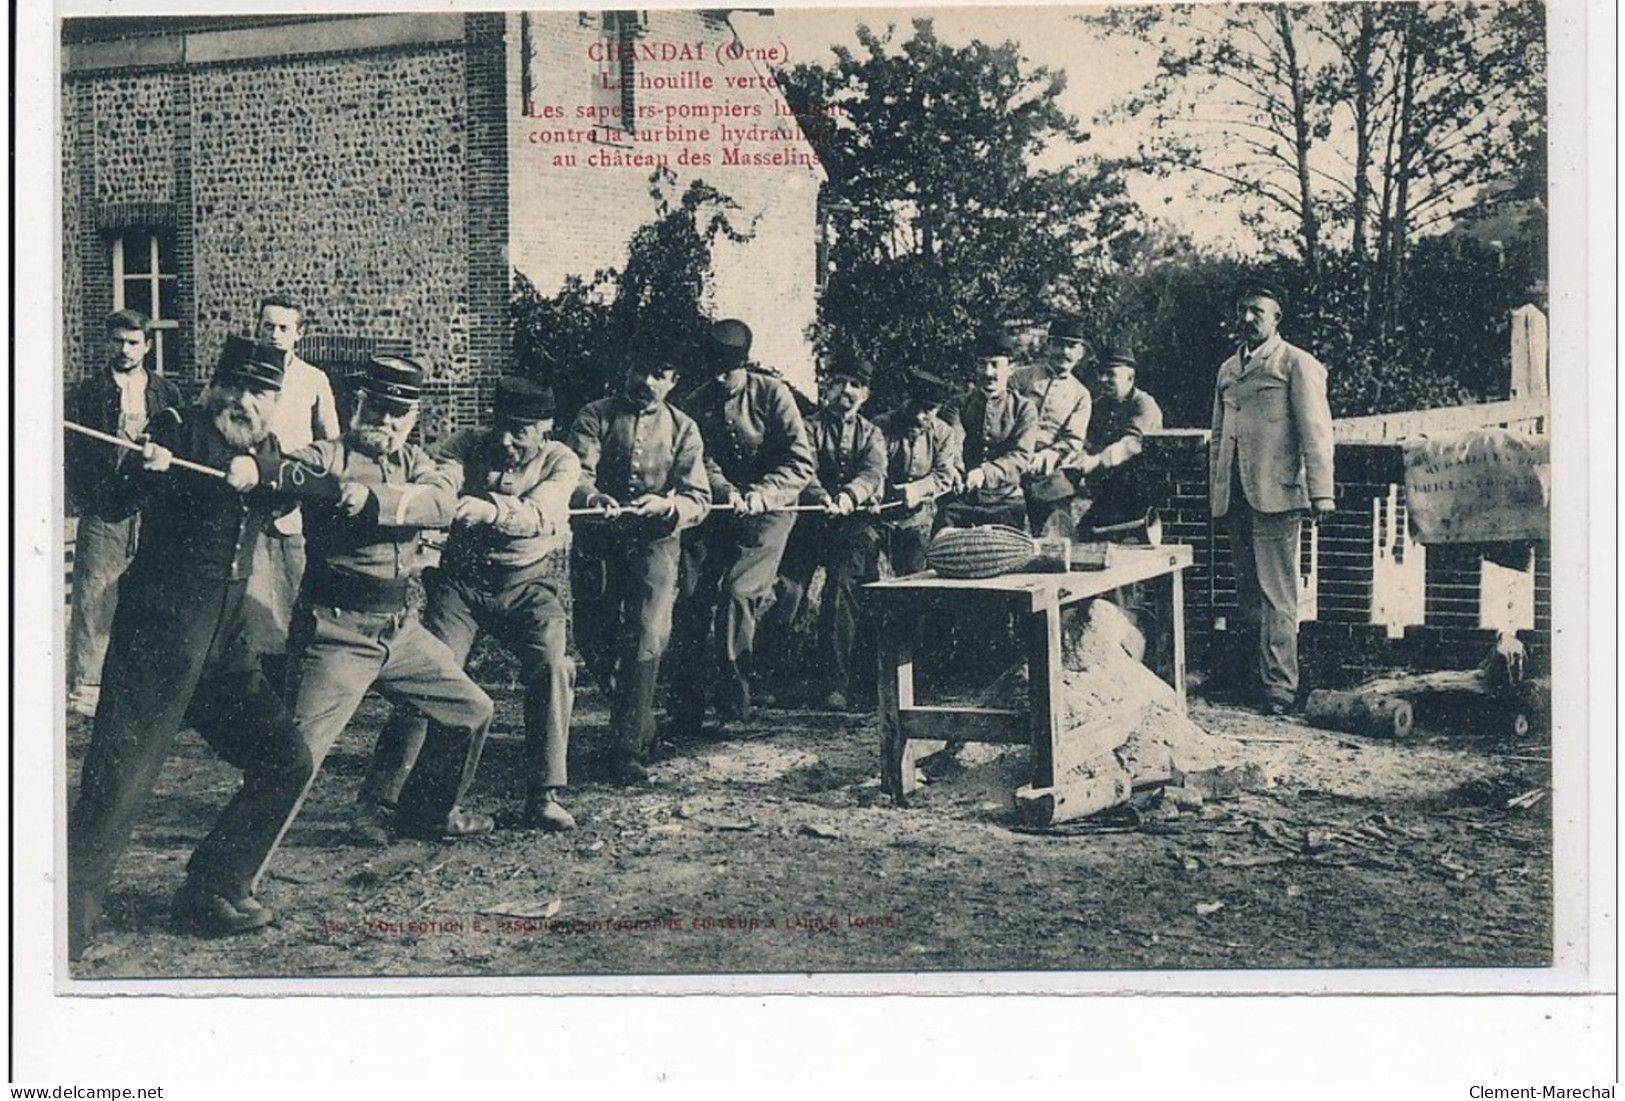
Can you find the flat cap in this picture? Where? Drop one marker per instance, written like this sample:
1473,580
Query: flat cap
395,379
728,344
523,400
1118,355
992,344
1067,330
925,387
846,363
1261,288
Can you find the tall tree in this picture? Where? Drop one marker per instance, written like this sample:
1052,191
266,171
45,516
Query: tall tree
1357,127
955,200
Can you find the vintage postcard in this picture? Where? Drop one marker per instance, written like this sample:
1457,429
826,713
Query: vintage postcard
965,499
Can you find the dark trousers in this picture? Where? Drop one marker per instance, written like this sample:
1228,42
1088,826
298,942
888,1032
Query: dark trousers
623,591
174,660
846,547
725,584
903,541
528,619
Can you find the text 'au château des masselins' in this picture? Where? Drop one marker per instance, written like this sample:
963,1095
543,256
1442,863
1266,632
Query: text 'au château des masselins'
713,128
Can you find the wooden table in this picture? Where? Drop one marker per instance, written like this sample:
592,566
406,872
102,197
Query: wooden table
902,604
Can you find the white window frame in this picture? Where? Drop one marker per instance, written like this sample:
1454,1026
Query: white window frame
158,282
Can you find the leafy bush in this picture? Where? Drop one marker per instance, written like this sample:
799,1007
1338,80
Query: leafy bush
1450,339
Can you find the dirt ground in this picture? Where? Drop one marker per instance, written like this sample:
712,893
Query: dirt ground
773,850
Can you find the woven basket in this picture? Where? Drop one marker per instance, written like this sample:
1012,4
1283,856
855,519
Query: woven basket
985,551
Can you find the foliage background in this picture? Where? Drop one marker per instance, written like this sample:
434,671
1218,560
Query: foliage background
1389,158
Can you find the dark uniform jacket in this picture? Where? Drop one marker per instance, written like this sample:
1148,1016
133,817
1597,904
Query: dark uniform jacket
627,450
1118,428
921,462
194,527
1119,489
90,465
998,435
754,439
532,502
851,457
365,562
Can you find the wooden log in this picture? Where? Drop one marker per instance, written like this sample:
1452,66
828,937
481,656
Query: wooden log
1360,713
1073,797
1416,684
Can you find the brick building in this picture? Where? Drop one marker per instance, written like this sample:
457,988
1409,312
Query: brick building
376,168
1371,598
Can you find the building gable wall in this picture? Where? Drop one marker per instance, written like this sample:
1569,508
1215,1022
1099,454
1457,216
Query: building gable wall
338,162
576,220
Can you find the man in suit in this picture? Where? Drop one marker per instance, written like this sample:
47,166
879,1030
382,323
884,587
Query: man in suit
119,399
1271,464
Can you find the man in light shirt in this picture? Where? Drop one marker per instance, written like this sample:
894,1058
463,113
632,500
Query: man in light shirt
305,412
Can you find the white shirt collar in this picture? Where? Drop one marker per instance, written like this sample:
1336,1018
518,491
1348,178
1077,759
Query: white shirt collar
1260,353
